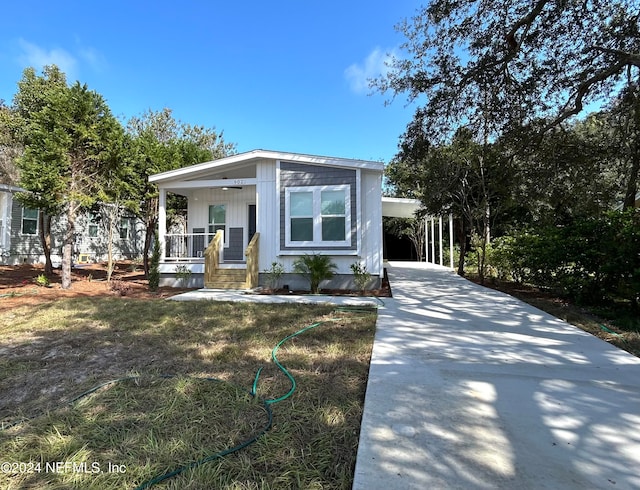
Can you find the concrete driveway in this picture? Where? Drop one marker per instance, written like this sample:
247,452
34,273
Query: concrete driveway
471,388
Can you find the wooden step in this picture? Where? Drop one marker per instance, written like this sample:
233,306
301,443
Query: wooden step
228,279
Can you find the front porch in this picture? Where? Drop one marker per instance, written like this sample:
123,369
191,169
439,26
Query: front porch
188,263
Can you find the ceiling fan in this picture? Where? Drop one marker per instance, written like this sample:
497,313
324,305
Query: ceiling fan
227,187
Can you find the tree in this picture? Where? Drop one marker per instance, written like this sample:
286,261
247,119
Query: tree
464,178
623,119
70,136
504,66
10,148
161,143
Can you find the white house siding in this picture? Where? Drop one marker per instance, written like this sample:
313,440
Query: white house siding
202,185
267,218
236,203
370,225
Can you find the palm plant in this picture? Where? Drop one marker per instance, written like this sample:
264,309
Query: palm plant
315,268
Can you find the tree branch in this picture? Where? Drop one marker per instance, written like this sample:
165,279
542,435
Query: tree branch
582,90
527,20
628,58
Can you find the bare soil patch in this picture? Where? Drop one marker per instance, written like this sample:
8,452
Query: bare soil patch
18,285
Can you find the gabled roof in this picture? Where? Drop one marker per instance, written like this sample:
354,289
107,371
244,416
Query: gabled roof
246,158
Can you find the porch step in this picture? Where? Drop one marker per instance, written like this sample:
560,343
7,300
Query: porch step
228,279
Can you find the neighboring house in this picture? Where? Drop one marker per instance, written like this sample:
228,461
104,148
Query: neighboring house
20,233
272,207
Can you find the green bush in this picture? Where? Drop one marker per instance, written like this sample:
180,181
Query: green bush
315,268
42,281
360,275
154,267
274,273
591,260
183,275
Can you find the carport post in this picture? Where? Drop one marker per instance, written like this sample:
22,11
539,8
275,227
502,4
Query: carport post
451,240
433,241
440,232
426,239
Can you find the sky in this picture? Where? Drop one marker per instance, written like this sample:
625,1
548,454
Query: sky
287,75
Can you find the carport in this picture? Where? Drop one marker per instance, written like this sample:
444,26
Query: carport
398,207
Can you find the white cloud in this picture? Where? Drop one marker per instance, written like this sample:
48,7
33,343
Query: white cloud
38,57
93,58
375,64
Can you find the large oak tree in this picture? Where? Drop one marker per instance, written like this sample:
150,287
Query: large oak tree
501,65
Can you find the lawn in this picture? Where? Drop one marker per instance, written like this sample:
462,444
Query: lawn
185,374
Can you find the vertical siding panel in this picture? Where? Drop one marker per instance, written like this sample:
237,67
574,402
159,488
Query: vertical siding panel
267,213
371,225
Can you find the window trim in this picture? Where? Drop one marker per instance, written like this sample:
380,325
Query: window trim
317,216
36,219
92,224
210,234
131,228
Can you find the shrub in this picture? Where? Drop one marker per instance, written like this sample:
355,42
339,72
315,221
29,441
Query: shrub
274,274
154,266
360,275
42,281
315,268
591,260
183,275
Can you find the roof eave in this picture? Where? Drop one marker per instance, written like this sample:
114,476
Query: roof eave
266,154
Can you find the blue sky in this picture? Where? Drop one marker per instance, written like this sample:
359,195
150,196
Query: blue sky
283,75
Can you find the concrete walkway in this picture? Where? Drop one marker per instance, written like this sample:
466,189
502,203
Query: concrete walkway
470,388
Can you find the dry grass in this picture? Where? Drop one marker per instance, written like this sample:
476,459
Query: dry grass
152,424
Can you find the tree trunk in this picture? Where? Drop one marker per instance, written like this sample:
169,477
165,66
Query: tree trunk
67,247
110,248
45,239
632,182
151,223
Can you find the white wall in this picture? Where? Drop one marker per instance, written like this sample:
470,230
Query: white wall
371,224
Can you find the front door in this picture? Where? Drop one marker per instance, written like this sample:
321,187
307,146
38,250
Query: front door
252,221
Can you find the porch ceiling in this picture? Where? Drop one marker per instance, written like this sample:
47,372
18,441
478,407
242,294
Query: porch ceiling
396,207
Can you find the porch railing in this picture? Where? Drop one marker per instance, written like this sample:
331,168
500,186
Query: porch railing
252,261
186,246
212,256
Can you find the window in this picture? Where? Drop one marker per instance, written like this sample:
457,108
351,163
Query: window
125,228
318,216
29,221
93,225
217,219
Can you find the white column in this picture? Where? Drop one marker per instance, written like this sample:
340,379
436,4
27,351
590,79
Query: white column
451,240
433,241
426,239
162,221
440,232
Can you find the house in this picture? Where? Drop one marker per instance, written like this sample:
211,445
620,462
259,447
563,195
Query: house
20,233
247,211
